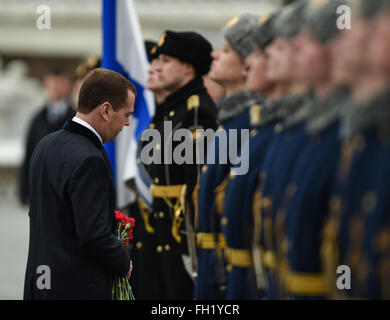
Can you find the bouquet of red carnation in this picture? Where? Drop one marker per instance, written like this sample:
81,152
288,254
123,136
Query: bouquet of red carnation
124,232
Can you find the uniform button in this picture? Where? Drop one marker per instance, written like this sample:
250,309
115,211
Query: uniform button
204,169
172,113
161,214
156,180
224,221
152,126
159,249
229,268
232,174
253,132
167,247
291,189
138,245
220,127
278,127
158,146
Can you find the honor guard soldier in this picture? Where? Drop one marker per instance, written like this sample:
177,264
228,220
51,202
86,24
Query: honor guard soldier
237,208
303,207
227,69
357,233
183,57
285,143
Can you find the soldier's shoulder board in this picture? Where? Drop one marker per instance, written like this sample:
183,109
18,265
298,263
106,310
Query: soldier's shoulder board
254,114
193,102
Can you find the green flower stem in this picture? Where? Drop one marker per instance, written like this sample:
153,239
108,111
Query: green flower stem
123,288
131,293
126,285
113,292
120,290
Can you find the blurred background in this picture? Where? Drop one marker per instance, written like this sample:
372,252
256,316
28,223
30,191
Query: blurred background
28,54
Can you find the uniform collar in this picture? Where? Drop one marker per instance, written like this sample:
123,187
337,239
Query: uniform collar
194,86
326,111
301,108
359,117
230,107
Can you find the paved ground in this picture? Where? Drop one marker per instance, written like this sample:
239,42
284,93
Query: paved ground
14,236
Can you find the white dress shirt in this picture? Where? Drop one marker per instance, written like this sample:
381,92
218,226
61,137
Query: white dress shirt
87,125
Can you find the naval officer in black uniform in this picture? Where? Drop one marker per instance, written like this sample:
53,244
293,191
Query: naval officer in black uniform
183,58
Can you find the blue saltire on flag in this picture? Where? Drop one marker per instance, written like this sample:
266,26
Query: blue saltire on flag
124,52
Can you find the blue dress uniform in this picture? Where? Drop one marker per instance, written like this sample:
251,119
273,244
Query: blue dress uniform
301,192
305,202
357,231
274,176
237,220
211,280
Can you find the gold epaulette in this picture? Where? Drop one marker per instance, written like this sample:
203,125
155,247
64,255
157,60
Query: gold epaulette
239,257
193,102
255,114
208,241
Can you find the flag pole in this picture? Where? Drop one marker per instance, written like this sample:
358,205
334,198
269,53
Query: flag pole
108,60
